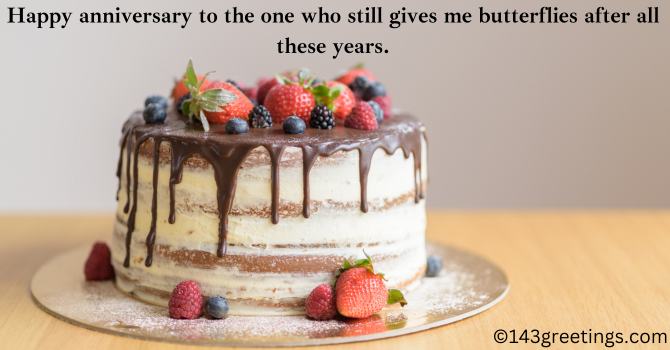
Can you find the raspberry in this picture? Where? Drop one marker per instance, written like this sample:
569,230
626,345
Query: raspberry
98,266
186,301
320,304
362,117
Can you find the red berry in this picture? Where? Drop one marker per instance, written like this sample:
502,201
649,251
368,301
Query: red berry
98,266
186,301
264,86
360,293
344,103
284,101
385,103
362,117
320,304
348,77
239,108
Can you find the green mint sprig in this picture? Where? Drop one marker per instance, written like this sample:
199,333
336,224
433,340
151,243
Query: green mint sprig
202,101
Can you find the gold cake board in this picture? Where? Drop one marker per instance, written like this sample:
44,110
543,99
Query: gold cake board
468,285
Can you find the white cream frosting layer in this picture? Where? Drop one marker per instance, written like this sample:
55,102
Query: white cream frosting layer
395,231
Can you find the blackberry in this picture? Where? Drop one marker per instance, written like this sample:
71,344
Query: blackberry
359,84
180,102
154,114
217,307
433,266
260,117
294,125
379,112
373,90
237,126
321,118
156,99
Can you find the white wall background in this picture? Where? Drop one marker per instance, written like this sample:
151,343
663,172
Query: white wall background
518,115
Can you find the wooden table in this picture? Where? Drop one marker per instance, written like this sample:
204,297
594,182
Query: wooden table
569,271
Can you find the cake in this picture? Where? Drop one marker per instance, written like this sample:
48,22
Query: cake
263,217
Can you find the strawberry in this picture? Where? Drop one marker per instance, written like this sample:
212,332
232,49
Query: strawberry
385,103
362,117
360,292
344,103
180,89
239,107
356,71
320,304
221,100
291,98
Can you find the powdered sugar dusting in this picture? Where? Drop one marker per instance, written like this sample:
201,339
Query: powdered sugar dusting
466,284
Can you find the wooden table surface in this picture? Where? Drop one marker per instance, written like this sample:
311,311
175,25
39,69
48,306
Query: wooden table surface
569,271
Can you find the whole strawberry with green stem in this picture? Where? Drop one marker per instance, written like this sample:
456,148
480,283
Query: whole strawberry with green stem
237,108
203,100
360,291
291,97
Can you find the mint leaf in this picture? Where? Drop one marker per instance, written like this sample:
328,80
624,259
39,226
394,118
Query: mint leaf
396,296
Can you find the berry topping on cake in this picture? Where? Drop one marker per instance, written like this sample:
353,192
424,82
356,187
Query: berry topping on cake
385,103
321,118
336,96
291,98
362,117
260,117
264,86
186,301
181,88
433,266
98,266
359,85
154,113
357,71
293,125
375,89
217,307
156,99
360,292
320,304
379,113
181,101
239,107
236,126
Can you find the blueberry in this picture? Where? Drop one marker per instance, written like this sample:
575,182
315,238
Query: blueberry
359,84
180,102
379,112
294,125
373,90
217,307
158,100
433,266
237,126
154,114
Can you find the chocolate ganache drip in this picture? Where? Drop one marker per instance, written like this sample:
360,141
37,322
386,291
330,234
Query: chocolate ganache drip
226,153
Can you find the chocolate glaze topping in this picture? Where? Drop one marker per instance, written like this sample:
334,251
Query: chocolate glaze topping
226,153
